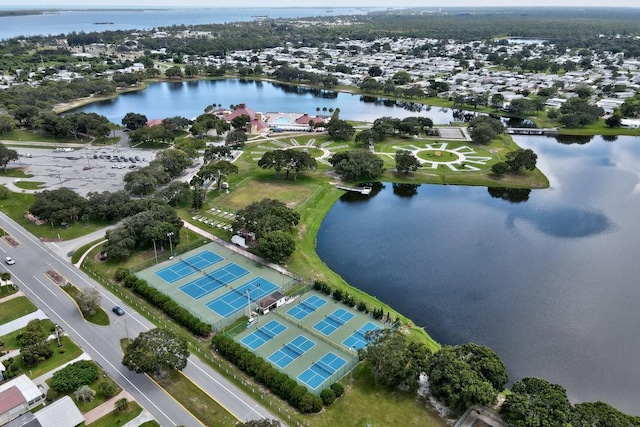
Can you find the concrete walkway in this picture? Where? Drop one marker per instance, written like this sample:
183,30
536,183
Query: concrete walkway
21,322
84,255
140,419
12,296
105,408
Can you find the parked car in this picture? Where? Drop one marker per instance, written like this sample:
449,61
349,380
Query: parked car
9,260
118,310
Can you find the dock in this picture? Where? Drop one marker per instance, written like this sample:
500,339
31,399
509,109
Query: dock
533,131
362,190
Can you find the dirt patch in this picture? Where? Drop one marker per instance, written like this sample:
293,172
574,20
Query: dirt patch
10,240
56,277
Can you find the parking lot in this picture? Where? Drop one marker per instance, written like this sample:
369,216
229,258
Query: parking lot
82,169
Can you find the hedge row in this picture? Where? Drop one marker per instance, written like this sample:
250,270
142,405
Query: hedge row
278,382
347,299
163,302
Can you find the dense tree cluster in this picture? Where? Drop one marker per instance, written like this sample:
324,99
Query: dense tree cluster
296,75
167,165
395,361
357,164
155,350
34,344
406,162
578,112
178,313
73,125
466,375
484,129
289,160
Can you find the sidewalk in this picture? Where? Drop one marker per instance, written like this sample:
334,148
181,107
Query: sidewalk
21,322
12,296
108,406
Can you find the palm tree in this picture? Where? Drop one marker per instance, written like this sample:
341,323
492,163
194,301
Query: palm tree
317,110
121,405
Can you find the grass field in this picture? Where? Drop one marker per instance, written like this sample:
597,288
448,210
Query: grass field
195,400
99,317
118,418
15,308
11,339
290,193
29,185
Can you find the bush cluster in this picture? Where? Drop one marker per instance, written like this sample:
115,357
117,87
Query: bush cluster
278,382
164,303
72,376
340,295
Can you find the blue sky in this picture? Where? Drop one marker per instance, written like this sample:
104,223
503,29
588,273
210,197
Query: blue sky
326,3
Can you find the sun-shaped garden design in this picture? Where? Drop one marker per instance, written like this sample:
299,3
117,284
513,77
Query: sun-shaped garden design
457,159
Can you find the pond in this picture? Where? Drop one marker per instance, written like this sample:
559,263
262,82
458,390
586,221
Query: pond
546,278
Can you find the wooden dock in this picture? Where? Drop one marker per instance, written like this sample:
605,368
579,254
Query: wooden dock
362,190
533,131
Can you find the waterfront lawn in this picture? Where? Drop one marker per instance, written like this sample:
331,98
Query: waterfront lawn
117,418
15,308
365,403
291,193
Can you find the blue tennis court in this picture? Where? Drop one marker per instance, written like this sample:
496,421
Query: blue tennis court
264,334
319,371
186,267
333,321
358,339
239,297
291,351
306,307
213,281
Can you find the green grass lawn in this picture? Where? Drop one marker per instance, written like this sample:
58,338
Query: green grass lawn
66,353
98,318
195,400
291,193
29,185
15,173
11,339
116,418
15,308
366,404
5,291
23,135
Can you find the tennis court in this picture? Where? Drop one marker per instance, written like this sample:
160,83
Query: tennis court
291,351
188,266
240,297
321,370
213,281
306,307
333,321
263,334
359,338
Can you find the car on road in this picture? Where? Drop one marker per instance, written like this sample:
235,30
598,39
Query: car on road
118,310
9,260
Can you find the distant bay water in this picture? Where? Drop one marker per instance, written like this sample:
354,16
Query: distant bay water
64,21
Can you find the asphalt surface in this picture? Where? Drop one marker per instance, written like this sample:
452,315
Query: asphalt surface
102,343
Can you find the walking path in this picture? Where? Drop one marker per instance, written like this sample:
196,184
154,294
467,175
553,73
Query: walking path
12,296
21,322
107,407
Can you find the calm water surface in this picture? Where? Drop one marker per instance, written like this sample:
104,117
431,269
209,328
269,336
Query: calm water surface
550,283
63,21
189,99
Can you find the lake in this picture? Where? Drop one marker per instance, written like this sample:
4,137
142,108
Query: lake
65,20
548,279
189,99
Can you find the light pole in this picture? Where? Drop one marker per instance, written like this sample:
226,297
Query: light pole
155,250
169,234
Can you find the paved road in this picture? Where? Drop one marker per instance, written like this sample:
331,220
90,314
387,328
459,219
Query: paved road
33,258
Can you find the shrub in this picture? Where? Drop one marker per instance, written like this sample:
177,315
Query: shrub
328,396
84,393
338,294
108,389
75,375
121,274
52,395
362,306
338,389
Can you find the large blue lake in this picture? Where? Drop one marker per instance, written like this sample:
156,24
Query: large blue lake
548,279
189,99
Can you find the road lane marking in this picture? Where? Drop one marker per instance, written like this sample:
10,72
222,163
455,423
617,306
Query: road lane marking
67,325
45,286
